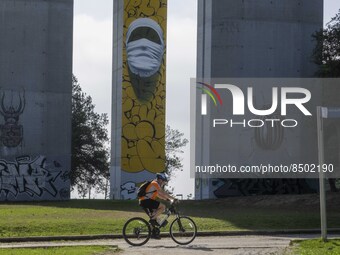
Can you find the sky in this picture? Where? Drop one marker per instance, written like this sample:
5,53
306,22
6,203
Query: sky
92,62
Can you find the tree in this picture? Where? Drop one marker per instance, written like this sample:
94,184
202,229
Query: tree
327,56
90,154
327,51
174,142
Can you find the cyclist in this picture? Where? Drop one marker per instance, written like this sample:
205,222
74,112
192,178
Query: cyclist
153,191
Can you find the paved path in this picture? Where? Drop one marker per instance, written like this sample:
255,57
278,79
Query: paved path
215,245
245,245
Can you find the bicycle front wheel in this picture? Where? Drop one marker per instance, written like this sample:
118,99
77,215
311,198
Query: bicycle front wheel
136,231
183,230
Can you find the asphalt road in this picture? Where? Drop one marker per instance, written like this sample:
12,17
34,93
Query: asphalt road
245,245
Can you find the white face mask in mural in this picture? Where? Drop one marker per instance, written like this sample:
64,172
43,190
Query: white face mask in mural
144,57
144,54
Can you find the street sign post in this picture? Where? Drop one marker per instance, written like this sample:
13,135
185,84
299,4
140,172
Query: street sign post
321,113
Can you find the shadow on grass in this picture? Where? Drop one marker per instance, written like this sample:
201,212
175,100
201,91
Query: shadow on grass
94,204
247,213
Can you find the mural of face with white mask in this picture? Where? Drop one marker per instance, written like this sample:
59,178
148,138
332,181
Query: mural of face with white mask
145,49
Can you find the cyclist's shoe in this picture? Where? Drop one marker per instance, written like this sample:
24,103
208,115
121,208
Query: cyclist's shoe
154,223
155,234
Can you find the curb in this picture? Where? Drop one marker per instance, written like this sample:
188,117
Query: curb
201,233
55,245
266,232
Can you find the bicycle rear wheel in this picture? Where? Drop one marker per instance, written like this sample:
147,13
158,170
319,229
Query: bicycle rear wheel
183,230
136,231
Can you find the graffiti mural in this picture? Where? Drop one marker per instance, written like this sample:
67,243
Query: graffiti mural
33,177
249,187
128,191
143,91
11,133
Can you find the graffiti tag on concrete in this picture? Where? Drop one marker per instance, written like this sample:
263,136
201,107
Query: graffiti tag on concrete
128,191
28,176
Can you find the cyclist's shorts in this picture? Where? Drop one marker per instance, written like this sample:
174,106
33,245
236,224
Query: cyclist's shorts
149,203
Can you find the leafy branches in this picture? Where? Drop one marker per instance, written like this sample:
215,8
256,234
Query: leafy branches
90,153
174,142
327,51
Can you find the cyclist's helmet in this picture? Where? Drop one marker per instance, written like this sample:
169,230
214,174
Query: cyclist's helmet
163,176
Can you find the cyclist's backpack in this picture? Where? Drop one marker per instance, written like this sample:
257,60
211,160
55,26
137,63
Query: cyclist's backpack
142,189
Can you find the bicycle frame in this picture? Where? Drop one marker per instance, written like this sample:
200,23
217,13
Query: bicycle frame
169,211
168,214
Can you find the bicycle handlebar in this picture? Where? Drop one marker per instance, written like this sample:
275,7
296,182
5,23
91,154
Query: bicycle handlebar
174,201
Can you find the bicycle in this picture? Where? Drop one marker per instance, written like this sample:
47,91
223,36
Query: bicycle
137,231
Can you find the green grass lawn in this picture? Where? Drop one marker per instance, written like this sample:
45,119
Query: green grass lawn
79,250
85,217
316,247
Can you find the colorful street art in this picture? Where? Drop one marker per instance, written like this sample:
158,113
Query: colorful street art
33,177
11,132
143,91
